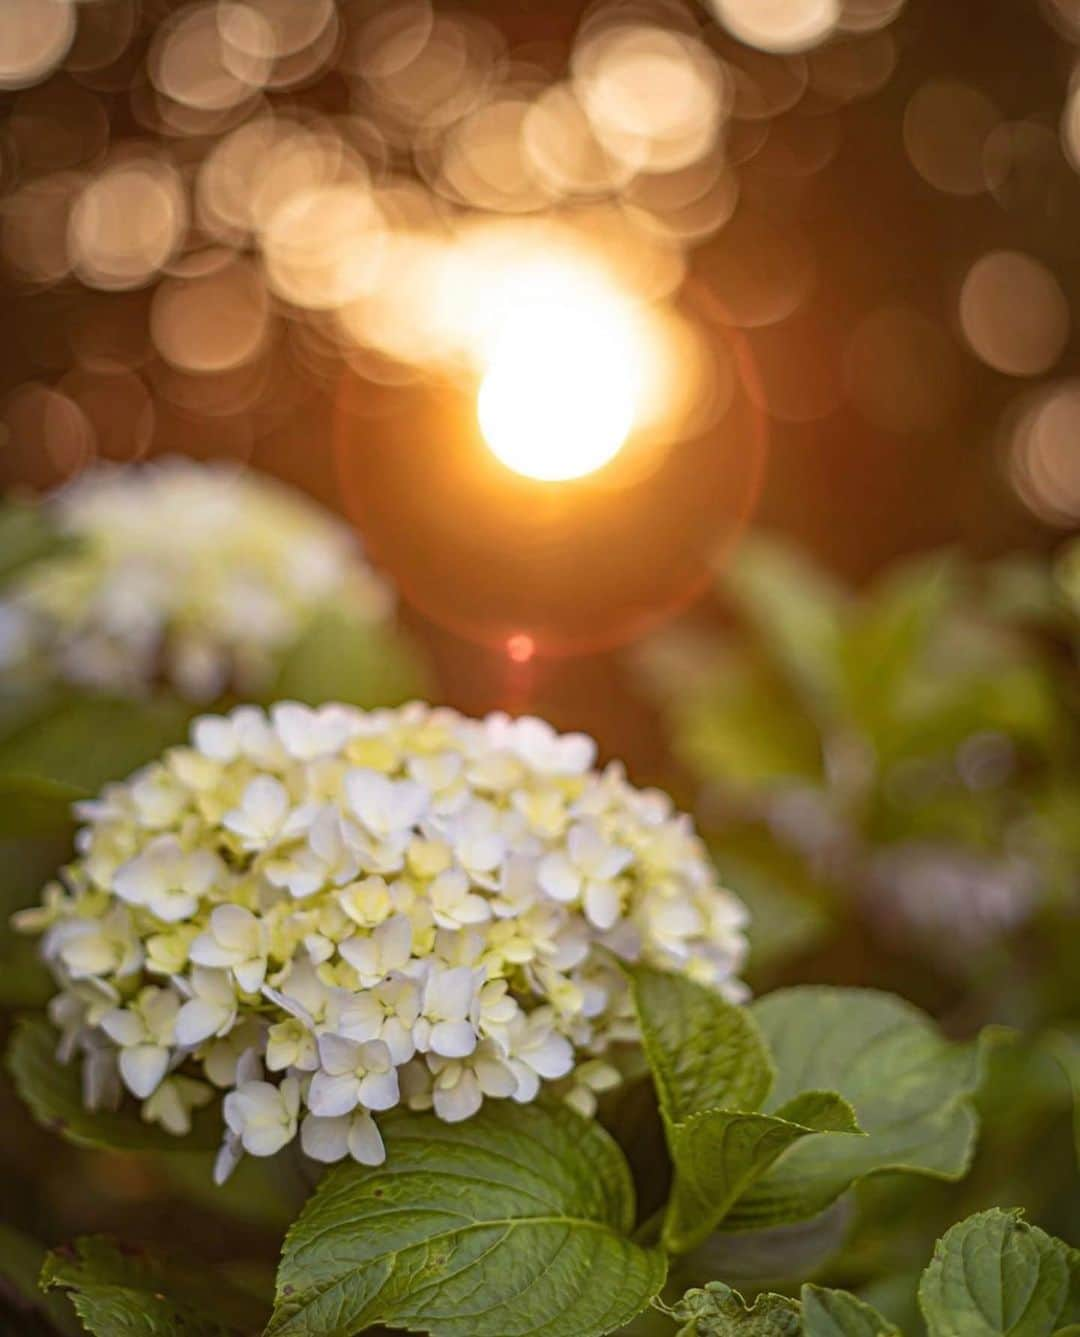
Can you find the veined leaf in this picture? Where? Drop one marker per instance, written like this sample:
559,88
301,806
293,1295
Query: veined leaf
994,1274
716,1310
53,1092
704,1051
117,1290
712,1072
909,1087
515,1221
719,1154
829,1313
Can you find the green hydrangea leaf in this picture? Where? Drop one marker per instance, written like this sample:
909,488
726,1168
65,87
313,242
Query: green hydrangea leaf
20,1266
712,1072
79,742
996,1274
719,1154
515,1221
704,1051
119,1290
32,805
909,1087
716,1310
26,537
53,1092
829,1313
341,657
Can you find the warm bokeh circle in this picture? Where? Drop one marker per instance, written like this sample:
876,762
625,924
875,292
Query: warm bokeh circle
577,565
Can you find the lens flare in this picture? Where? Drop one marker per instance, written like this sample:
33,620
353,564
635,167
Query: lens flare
562,376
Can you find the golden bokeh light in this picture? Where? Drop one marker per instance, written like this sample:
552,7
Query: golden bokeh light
1043,443
559,394
127,223
1013,313
779,25
34,38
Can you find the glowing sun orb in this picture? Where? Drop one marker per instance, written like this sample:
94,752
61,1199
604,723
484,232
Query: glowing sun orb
561,382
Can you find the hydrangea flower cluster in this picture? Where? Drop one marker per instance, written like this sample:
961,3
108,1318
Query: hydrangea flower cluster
327,913
199,575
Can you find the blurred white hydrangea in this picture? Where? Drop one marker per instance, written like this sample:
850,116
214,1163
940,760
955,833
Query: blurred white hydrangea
328,913
198,575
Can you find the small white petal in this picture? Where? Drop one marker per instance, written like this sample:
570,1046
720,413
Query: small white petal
207,951
558,878
460,1101
228,1158
234,927
215,738
553,1058
602,905
338,1054
325,1140
453,1039
330,1096
143,1067
250,974
495,1079
365,1141
379,1090
124,1027
198,1019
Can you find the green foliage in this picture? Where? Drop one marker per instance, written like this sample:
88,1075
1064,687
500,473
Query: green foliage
772,1112
992,1275
923,717
54,1095
995,1274
716,1310
33,805
704,1052
910,1089
64,746
20,1266
799,613
720,1155
515,1221
119,1290
26,537
829,1313
345,658
745,727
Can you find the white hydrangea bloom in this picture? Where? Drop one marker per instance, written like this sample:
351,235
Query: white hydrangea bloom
328,913
200,575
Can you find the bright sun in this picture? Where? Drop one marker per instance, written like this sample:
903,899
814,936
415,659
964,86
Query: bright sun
562,375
